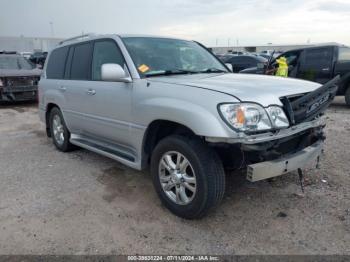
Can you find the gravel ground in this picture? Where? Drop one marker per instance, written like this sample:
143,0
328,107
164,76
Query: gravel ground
83,203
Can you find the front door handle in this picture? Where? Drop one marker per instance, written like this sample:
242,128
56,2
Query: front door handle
90,92
325,69
62,88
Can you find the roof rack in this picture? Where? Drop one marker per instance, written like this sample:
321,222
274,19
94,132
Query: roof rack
79,37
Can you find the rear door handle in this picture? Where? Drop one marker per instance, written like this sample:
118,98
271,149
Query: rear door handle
90,92
325,69
62,88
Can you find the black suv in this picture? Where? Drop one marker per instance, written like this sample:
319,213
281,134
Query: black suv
316,63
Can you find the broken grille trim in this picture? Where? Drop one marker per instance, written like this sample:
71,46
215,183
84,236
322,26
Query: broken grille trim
300,109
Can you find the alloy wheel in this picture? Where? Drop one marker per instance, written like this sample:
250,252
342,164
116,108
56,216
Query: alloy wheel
177,177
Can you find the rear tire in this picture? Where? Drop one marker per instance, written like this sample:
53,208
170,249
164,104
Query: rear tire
347,96
188,189
59,132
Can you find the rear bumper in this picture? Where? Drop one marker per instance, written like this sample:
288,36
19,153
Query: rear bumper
277,167
19,93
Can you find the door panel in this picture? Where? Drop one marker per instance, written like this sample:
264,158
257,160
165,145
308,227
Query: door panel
105,106
106,110
77,76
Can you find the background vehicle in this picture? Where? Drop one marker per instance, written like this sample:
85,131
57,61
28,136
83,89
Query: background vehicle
26,55
267,52
221,56
244,61
264,56
172,105
18,78
317,63
236,52
38,58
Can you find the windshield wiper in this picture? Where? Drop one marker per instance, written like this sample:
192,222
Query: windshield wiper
171,72
213,70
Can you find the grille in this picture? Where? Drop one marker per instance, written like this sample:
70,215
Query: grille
21,81
310,105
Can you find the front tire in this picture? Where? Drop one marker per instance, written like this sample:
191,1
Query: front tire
59,132
187,175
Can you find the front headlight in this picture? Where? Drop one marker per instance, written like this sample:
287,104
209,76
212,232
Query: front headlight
253,117
245,116
277,116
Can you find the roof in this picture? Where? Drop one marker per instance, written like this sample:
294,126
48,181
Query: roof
318,45
92,36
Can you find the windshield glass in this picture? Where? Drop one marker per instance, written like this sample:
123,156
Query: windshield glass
14,62
157,56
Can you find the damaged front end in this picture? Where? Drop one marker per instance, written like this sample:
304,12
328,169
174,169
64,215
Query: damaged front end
270,154
19,88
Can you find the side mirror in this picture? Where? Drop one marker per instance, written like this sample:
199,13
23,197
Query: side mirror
229,66
114,73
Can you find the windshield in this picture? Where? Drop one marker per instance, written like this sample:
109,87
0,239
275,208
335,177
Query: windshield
157,56
14,62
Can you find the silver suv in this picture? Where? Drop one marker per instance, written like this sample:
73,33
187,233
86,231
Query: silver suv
171,105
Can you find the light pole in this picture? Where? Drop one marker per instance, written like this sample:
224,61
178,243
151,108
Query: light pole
51,28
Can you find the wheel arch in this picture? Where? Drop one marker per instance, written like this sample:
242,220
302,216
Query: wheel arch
157,130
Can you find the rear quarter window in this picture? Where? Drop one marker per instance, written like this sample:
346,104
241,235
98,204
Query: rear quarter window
56,63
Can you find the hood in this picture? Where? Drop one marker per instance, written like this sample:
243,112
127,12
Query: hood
19,72
262,89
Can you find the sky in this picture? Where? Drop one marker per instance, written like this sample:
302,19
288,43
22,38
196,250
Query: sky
212,22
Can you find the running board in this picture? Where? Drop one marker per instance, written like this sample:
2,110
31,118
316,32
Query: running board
108,150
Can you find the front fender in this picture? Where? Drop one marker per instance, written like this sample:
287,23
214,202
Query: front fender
201,120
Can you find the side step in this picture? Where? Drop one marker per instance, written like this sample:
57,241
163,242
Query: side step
113,151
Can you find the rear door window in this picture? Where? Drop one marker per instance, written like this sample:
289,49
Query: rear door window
80,68
56,64
105,52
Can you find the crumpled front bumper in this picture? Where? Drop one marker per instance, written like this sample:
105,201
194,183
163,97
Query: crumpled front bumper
268,136
273,154
286,164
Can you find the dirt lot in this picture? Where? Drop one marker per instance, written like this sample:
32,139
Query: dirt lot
83,203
